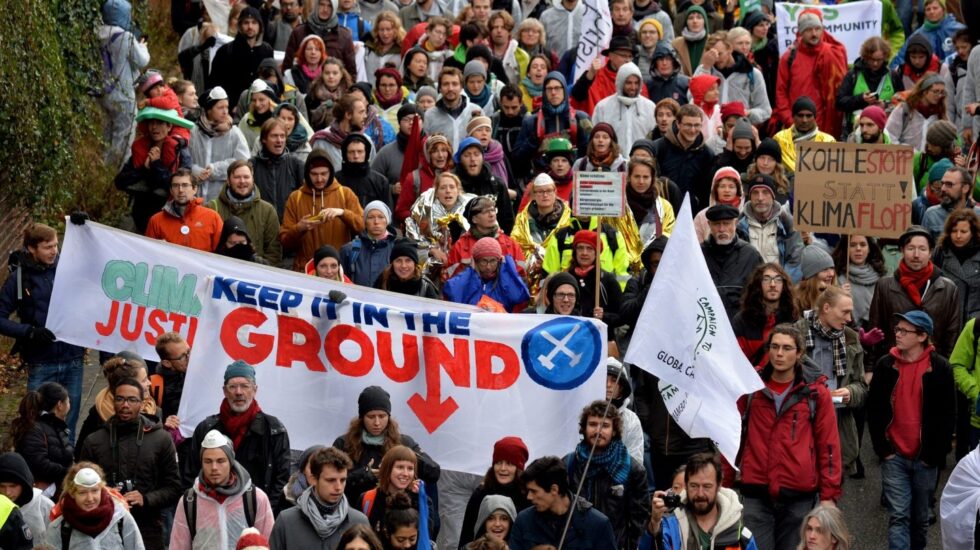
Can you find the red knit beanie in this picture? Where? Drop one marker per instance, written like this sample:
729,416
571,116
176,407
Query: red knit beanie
585,236
487,247
252,539
512,449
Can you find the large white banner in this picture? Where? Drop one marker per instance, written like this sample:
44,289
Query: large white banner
692,349
596,33
851,23
459,378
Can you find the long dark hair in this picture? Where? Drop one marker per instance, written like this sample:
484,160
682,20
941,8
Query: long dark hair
44,399
354,445
493,487
753,305
401,513
955,217
875,258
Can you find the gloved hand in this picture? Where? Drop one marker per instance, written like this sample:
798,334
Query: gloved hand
871,337
78,218
40,336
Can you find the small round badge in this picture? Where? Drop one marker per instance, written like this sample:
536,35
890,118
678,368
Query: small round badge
184,230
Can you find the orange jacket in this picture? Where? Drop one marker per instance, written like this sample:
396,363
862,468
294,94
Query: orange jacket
305,202
203,226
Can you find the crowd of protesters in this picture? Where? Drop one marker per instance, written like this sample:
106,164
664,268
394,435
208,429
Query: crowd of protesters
429,148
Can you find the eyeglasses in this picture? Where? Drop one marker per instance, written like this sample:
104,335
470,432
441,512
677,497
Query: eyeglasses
131,400
554,88
899,331
181,185
181,357
785,349
487,262
544,192
940,93
564,295
767,280
239,387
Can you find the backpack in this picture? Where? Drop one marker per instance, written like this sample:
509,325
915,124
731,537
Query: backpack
108,79
190,509
67,529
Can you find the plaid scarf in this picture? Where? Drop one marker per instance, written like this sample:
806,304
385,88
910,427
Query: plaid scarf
835,336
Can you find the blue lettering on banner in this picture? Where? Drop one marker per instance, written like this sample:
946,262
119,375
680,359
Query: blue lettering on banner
562,354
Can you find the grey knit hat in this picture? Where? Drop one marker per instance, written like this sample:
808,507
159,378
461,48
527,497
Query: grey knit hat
815,259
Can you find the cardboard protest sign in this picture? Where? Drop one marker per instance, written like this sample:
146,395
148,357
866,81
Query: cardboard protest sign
460,378
599,194
854,188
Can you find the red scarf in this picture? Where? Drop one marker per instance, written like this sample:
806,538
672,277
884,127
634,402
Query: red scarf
913,281
930,110
237,424
92,522
932,197
212,492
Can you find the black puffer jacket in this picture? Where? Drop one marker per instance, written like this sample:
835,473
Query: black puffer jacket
730,266
141,452
277,177
263,452
47,450
690,167
627,506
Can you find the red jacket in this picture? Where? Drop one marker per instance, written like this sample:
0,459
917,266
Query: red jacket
461,254
786,453
203,226
816,72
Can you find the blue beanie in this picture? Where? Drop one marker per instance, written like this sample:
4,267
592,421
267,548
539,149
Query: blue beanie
466,144
940,168
239,369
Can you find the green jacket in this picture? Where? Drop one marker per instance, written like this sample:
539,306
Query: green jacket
853,381
261,220
965,372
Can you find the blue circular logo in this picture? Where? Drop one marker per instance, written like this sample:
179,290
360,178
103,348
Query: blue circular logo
562,354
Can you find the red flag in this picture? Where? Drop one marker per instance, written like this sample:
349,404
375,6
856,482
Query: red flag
413,158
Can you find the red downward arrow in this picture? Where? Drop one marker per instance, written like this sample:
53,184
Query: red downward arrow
431,410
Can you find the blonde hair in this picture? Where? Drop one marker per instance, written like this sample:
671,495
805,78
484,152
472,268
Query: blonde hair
533,23
68,485
394,20
831,522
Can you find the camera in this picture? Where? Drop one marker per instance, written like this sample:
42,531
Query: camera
671,500
126,486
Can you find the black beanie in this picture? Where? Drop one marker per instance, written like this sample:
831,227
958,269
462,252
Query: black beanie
373,398
405,248
771,148
558,279
325,251
406,110
804,103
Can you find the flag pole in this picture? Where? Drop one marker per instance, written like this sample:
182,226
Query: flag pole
598,260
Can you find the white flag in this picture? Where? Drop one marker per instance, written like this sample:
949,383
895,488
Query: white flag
596,33
684,338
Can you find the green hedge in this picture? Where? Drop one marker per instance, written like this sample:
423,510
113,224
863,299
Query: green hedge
50,128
